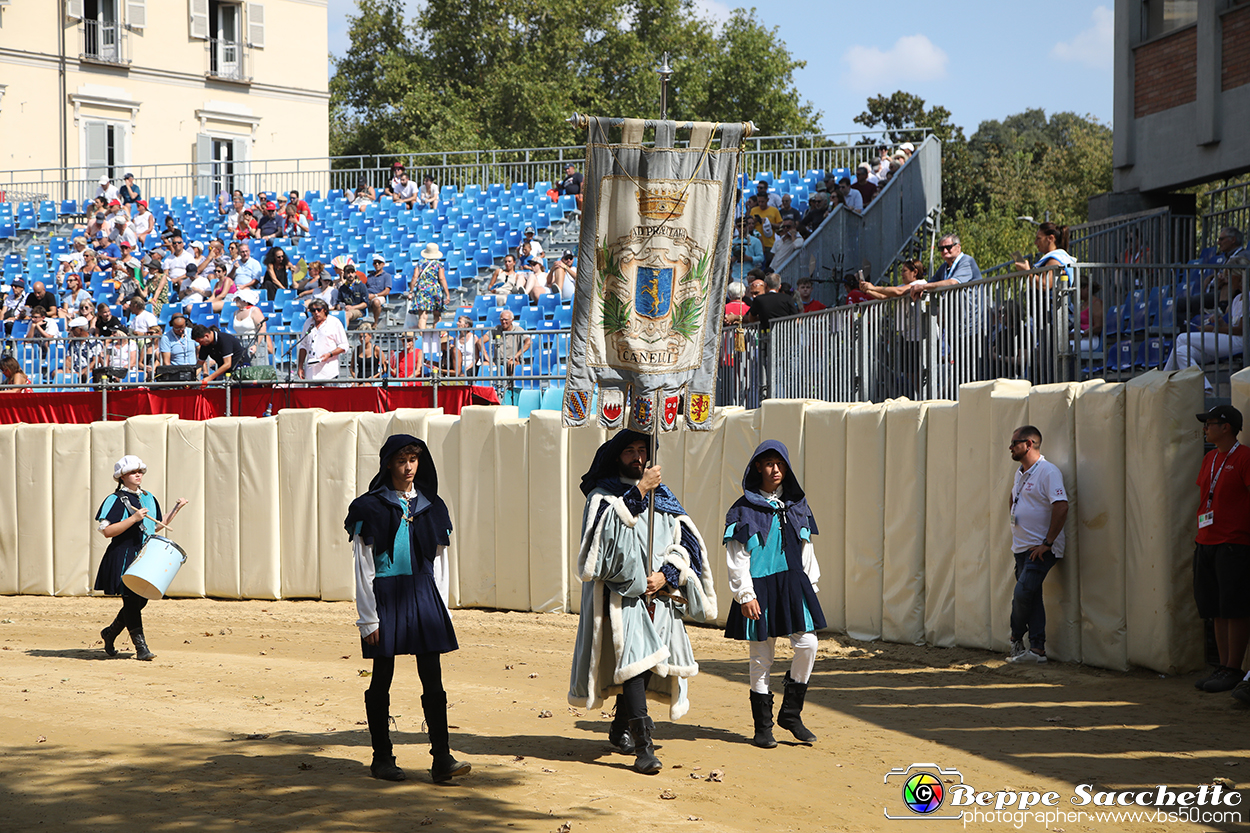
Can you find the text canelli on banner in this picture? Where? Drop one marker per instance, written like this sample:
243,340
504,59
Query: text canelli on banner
653,260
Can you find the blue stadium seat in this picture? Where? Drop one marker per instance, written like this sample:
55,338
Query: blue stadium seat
553,397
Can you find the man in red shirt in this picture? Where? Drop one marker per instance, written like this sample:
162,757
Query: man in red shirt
1222,554
806,301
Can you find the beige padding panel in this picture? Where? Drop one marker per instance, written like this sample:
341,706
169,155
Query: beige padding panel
1100,466
442,436
72,510
902,576
33,459
146,438
260,533
9,584
782,419
1241,394
185,444
1164,632
582,444
477,502
824,464
414,421
515,505
108,445
865,519
221,507
742,436
1052,410
973,589
336,488
298,473
1009,409
549,521
940,543
706,481
371,433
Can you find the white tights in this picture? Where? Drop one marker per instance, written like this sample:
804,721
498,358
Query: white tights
804,645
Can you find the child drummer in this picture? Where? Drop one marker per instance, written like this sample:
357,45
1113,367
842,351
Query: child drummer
127,518
400,530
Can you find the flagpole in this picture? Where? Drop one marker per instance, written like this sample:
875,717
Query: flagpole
655,456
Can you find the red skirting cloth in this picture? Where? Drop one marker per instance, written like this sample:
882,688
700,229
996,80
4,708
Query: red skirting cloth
192,403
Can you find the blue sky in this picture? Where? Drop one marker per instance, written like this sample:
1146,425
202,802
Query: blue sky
979,59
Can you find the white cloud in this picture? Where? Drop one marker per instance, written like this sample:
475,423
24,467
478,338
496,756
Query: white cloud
1094,47
912,58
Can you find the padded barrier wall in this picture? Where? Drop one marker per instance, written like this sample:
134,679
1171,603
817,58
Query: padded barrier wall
268,497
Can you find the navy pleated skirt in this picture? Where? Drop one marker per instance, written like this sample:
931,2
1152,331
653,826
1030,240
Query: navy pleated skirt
787,605
117,558
412,618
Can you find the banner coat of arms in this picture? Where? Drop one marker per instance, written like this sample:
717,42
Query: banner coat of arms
652,264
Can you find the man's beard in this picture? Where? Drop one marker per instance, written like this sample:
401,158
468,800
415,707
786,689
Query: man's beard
632,470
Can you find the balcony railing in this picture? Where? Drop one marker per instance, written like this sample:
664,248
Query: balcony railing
227,60
103,42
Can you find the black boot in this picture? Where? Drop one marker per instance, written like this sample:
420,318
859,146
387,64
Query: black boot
445,766
378,714
141,646
618,734
644,760
110,634
762,712
788,716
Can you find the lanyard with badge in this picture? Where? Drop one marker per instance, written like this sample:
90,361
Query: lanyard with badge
1024,481
1208,517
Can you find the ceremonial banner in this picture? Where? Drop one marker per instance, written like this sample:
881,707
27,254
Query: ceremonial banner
652,265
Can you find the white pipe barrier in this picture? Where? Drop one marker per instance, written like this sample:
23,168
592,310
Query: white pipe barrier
910,499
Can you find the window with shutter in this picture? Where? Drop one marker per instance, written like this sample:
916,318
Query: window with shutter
256,25
199,19
73,9
136,14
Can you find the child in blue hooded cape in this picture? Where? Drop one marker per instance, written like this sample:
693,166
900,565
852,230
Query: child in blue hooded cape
773,575
400,530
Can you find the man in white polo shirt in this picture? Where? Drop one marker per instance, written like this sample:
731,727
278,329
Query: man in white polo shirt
323,342
1039,507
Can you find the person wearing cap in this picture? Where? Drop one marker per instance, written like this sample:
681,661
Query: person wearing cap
130,192
428,195
392,184
122,232
82,354
106,189
14,304
323,341
249,326
225,351
378,287
353,299
127,518
761,190
562,279
142,221
907,149
1219,337
175,263
536,248
105,250
270,225
427,291
1222,547
405,191
198,288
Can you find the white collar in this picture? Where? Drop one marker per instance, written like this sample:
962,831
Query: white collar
125,488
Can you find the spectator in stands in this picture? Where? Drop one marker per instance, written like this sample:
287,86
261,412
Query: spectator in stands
364,193
405,192
368,360
141,321
122,232
73,297
223,289
177,346
143,222
278,271
247,227
571,184
250,328
199,290
97,222
353,299
15,303
767,220
508,345
248,272
121,355
378,285
536,284
562,279
270,224
772,304
106,251
1088,336
427,197
466,350
506,280
788,241
327,290
535,248
42,328
770,200
406,363
907,149
1219,336
324,340
788,213
1052,243
806,301
849,196
107,190
130,193
223,349
755,284
867,190
1228,244
957,267
301,205
40,298
82,354
106,323
86,311
175,264
746,252
295,224
817,209
735,308
15,379
427,291
234,215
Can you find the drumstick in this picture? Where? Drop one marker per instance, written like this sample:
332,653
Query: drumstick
182,501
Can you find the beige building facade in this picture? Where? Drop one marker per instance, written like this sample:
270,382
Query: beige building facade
186,94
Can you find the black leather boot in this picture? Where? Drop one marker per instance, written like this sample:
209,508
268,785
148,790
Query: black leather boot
445,766
788,716
762,713
141,646
110,634
644,760
618,734
378,715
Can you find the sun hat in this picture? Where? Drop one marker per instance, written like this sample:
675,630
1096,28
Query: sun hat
126,465
77,321
249,296
431,252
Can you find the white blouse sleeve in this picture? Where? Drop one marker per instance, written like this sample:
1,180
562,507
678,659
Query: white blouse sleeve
739,562
366,604
442,575
811,566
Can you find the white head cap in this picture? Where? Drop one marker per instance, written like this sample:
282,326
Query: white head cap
126,465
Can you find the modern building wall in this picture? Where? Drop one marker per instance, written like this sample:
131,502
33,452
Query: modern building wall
100,86
1182,95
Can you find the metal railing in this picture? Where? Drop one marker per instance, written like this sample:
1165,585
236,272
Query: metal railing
103,42
462,169
227,60
846,239
1226,206
1156,236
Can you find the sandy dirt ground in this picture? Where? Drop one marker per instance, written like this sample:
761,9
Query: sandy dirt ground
252,718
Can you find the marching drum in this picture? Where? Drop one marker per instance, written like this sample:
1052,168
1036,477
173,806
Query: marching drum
154,569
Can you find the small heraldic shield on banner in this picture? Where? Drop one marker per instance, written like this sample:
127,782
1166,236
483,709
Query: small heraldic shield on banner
653,262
